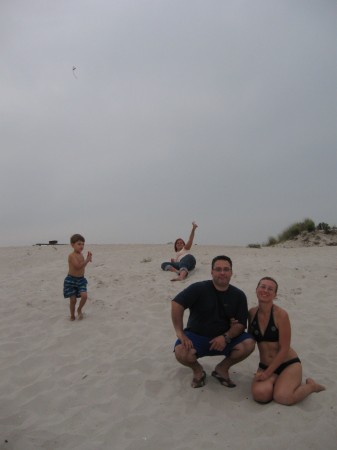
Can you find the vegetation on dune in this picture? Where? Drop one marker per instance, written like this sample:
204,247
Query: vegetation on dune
296,229
293,231
325,227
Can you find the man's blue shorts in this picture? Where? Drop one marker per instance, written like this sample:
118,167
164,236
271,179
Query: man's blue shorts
73,286
201,344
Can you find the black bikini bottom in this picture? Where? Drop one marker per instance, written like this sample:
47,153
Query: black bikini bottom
282,366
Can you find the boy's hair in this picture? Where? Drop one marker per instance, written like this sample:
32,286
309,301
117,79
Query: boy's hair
269,279
222,258
76,238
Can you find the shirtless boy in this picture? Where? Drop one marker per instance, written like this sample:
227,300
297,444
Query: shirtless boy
75,285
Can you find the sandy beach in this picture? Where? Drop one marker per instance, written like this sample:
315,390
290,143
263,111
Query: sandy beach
111,381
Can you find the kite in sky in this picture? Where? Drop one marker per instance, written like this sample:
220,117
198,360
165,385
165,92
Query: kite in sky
74,68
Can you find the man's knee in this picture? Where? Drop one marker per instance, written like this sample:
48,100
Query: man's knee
248,346
245,348
183,355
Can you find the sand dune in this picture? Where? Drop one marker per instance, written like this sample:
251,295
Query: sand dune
111,381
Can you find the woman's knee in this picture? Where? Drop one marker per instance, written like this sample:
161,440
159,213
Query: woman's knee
262,394
283,397
188,261
192,262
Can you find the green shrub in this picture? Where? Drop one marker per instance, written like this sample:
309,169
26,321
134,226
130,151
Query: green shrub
325,227
271,241
295,229
308,225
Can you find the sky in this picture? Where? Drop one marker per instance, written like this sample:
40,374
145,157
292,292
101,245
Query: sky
125,120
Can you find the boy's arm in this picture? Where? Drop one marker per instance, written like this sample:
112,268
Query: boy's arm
79,263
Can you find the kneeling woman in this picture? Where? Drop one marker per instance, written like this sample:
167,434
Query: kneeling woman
279,376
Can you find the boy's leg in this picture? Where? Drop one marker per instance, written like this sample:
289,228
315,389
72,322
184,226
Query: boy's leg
72,305
83,300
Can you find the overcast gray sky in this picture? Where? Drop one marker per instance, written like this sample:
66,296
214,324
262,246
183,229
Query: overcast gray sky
219,111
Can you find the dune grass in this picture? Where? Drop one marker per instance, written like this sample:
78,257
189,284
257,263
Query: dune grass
308,225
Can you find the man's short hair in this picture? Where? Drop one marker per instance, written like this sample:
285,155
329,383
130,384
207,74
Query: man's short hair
222,258
76,238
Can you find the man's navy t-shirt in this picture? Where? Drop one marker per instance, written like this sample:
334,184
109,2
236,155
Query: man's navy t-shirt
211,309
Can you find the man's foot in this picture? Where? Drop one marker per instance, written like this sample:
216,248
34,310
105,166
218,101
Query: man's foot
316,387
198,383
72,318
222,380
80,315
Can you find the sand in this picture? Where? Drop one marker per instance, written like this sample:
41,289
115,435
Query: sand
111,380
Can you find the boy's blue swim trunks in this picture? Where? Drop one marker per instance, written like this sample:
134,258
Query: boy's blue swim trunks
73,286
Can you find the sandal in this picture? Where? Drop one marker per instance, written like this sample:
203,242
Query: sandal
198,383
223,381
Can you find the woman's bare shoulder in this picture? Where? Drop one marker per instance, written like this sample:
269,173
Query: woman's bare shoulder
252,311
280,314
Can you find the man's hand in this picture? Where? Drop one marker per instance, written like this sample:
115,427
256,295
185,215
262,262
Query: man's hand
185,341
218,343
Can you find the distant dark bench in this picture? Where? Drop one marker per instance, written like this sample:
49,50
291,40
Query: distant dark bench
49,243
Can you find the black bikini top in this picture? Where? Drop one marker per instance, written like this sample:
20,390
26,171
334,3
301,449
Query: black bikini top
270,335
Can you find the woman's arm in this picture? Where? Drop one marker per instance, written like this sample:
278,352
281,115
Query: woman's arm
189,243
251,314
